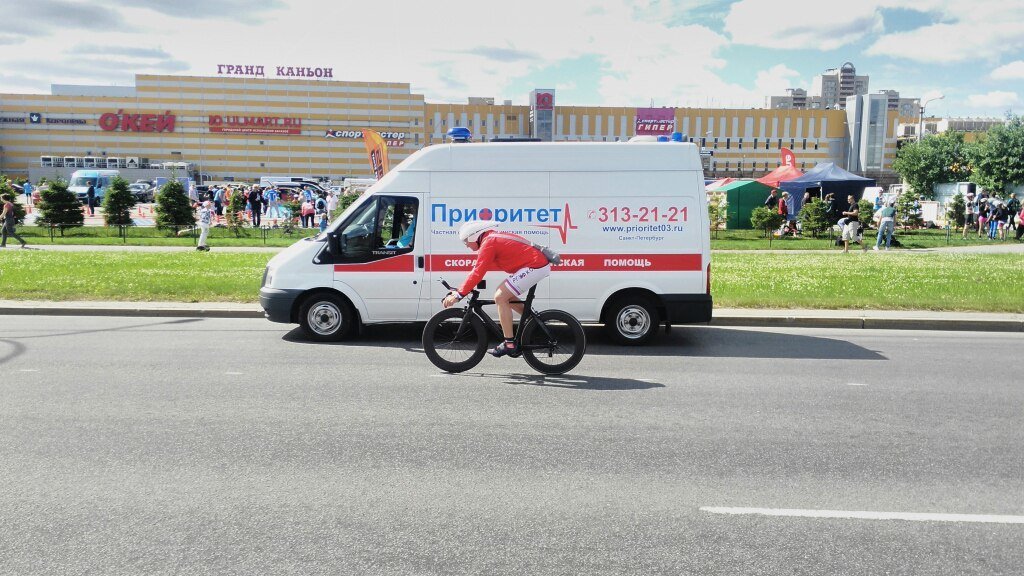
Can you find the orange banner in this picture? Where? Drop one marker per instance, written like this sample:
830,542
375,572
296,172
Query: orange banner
377,151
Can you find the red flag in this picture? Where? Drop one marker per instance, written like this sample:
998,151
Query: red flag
788,158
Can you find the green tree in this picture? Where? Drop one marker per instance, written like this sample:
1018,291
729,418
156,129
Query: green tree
19,210
764,218
59,207
998,158
173,210
955,211
235,212
813,218
118,203
908,210
934,160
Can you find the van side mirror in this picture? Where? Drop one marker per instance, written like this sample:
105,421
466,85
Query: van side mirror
335,244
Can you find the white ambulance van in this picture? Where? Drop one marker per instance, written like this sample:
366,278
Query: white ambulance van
629,219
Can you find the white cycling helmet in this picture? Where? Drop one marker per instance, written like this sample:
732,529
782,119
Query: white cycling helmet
471,231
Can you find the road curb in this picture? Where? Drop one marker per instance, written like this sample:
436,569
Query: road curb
131,312
776,319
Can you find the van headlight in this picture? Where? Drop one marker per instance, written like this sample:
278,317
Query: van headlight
268,277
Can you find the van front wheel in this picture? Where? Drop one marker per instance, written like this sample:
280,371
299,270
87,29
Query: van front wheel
632,320
327,318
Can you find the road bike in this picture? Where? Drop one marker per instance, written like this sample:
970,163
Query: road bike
456,339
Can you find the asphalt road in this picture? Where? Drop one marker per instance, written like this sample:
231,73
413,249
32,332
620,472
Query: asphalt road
231,446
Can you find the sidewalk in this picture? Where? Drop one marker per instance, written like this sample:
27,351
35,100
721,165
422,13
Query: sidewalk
855,319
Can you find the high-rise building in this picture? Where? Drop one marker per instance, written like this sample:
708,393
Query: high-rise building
838,84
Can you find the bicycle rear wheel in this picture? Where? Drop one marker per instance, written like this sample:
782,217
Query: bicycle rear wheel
454,343
553,342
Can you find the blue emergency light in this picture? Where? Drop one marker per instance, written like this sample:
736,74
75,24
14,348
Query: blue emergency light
459,134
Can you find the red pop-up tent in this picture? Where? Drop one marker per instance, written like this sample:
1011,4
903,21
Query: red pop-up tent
780,174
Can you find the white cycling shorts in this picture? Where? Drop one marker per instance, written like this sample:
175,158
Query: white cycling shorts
523,279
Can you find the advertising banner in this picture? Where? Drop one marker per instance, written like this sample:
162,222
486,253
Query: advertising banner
392,139
255,125
788,157
377,151
655,121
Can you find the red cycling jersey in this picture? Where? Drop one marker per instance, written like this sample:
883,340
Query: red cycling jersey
498,253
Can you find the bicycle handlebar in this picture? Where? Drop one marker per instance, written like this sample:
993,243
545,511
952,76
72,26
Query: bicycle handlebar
475,293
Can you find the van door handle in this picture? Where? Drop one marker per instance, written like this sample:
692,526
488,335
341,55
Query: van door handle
419,262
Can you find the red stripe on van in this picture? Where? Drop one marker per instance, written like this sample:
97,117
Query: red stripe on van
401,263
588,262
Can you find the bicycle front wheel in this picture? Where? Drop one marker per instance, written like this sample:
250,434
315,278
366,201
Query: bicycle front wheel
455,340
553,342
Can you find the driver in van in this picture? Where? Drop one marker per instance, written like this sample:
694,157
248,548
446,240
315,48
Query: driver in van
495,250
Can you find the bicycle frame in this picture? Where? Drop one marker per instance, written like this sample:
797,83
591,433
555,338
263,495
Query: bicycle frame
476,306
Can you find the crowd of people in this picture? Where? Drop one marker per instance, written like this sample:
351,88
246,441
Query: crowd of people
988,215
992,216
315,205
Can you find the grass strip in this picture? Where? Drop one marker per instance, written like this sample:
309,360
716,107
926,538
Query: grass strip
888,280
220,236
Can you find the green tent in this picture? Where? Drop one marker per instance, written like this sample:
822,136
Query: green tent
743,196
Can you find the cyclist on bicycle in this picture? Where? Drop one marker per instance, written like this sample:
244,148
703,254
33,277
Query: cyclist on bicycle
513,254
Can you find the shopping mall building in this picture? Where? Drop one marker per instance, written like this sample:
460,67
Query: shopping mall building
241,128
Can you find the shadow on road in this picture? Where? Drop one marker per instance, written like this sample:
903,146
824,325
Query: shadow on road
683,341
570,381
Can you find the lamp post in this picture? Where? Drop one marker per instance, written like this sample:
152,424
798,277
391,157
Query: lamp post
920,119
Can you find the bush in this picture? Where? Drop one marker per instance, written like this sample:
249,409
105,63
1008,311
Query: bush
866,210
764,218
717,212
59,207
235,212
813,217
908,210
118,203
173,210
955,211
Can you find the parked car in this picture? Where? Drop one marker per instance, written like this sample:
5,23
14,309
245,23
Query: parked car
142,191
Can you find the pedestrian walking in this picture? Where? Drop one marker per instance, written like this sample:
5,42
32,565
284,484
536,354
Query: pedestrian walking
218,201
970,212
27,189
307,213
8,219
852,225
273,200
205,220
886,216
90,198
256,206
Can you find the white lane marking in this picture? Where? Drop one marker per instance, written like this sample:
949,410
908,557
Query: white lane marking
646,379
870,515
855,384
440,375
233,373
28,370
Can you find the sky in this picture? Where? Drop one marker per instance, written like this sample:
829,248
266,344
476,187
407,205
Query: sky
696,53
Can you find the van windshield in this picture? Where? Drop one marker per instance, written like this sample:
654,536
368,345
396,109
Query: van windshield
82,181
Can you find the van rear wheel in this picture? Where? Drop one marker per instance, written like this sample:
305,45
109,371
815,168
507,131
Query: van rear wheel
632,320
327,317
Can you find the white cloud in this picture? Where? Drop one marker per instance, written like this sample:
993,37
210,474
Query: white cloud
1011,71
969,31
993,100
797,24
